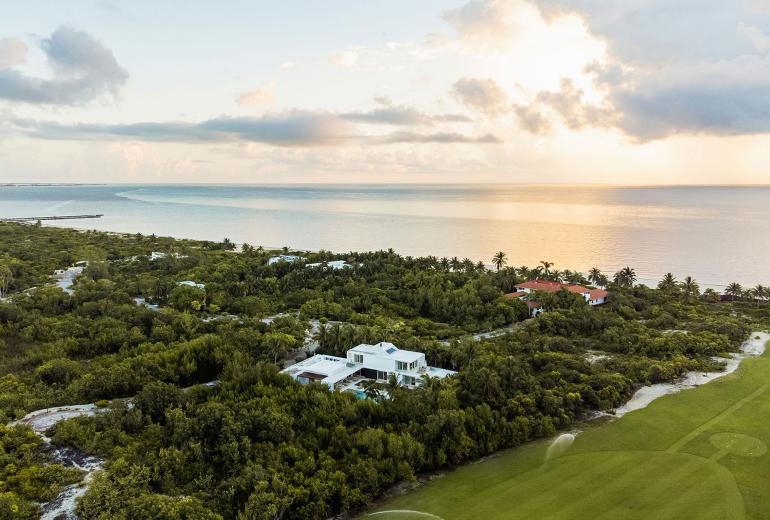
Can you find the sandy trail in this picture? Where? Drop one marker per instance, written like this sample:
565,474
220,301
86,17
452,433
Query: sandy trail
65,279
63,506
753,347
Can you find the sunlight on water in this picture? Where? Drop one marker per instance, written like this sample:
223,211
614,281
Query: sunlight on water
654,230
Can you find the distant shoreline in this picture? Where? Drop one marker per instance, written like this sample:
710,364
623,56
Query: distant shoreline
42,184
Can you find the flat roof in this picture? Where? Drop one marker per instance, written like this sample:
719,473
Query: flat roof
389,350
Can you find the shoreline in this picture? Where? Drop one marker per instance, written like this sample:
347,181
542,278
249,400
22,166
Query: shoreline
648,282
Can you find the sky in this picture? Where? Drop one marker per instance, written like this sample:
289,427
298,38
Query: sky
343,91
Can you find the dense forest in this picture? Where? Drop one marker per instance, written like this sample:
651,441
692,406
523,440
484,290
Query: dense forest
254,444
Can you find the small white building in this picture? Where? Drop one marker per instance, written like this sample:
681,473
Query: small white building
373,362
333,264
283,258
190,283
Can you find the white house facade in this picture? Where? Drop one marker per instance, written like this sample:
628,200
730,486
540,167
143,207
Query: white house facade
366,362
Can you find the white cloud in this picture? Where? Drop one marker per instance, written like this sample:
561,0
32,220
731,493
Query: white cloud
487,23
84,70
263,94
484,95
759,39
346,59
684,67
12,52
296,128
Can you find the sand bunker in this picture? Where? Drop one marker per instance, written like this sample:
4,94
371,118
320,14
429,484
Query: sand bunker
644,396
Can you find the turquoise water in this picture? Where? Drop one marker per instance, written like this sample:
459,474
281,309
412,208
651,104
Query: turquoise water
716,234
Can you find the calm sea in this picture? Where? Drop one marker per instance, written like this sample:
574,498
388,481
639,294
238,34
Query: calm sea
716,234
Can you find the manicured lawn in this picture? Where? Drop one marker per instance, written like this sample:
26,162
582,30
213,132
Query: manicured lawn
699,454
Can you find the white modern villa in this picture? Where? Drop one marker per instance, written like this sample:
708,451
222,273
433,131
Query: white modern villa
365,362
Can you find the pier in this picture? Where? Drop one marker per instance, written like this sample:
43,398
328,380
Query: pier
55,217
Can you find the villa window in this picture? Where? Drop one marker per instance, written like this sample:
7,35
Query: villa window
400,365
358,358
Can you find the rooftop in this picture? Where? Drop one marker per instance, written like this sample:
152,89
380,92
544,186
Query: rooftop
549,286
598,294
388,349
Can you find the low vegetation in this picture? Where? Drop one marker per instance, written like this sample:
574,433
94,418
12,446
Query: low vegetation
258,445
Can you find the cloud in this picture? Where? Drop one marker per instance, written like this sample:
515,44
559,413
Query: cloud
401,116
383,100
485,23
484,95
568,102
295,128
569,105
532,119
289,129
288,64
684,67
441,137
84,70
759,39
264,93
345,59
12,52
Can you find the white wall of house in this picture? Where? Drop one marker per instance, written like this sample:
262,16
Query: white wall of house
384,362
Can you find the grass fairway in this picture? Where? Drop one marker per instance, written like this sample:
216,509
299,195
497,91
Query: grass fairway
700,454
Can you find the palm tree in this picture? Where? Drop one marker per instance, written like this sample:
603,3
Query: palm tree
625,277
455,263
524,272
371,388
545,267
603,281
760,292
500,259
393,385
734,289
711,295
668,283
690,288
594,276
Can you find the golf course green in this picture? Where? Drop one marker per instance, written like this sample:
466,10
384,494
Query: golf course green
698,454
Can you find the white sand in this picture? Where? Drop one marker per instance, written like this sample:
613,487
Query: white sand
644,396
63,506
41,420
65,279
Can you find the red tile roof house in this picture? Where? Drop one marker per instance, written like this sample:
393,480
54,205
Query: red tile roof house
592,296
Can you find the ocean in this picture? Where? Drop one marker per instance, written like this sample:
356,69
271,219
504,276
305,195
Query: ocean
715,234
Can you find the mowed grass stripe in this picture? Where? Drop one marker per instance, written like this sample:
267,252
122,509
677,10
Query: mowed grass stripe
527,492
607,491
598,479
714,420
676,493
